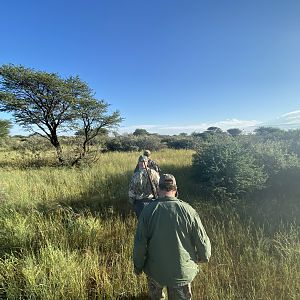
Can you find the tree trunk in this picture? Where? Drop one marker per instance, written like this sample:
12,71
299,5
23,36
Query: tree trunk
81,154
59,154
56,144
85,148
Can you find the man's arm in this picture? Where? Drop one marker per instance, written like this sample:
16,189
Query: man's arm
201,240
153,177
132,189
136,168
153,165
140,246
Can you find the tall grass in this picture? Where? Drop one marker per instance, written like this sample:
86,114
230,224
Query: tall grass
67,234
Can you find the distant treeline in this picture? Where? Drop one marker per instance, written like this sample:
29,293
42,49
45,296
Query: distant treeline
226,164
140,139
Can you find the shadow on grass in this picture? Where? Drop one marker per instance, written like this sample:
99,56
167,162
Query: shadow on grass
110,196
279,201
28,164
101,198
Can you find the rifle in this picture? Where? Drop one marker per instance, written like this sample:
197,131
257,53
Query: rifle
153,189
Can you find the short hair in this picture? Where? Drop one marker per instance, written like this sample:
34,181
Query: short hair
167,182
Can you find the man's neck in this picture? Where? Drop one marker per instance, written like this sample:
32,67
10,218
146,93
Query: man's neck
171,194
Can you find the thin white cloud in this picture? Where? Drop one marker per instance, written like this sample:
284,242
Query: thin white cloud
247,125
287,120
292,113
290,120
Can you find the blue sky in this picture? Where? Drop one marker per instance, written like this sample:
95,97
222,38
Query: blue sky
168,66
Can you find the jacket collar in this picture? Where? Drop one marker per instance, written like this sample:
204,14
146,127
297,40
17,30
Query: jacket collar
166,198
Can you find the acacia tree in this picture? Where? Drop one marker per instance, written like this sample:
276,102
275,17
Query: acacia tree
140,131
214,129
91,120
234,131
5,126
42,102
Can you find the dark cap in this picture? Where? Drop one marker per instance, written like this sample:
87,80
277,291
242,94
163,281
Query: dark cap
143,158
167,182
147,153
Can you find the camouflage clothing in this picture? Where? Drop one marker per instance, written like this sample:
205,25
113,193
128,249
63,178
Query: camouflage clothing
140,185
141,190
151,164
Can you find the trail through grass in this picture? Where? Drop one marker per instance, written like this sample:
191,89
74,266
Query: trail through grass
68,234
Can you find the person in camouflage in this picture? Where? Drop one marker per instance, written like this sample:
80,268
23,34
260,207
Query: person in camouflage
151,163
143,186
169,243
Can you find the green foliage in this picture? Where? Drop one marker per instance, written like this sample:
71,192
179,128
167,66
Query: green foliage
209,133
5,126
180,142
234,131
292,140
140,131
214,129
225,168
92,119
268,132
102,132
134,143
37,99
230,167
47,103
274,156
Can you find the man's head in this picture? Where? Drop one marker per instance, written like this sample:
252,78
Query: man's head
143,161
167,185
147,153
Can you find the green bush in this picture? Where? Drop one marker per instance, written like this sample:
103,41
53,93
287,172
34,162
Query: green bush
134,143
274,156
226,168
180,142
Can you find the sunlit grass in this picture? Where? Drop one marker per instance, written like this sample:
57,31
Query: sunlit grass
67,233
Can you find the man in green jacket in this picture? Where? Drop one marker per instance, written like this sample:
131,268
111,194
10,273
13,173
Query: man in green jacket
169,243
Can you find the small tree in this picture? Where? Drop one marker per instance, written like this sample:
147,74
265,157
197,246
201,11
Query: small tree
214,129
5,126
234,131
270,133
211,132
92,119
140,131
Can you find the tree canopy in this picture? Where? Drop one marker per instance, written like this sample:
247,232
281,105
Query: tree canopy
234,131
5,126
46,103
140,131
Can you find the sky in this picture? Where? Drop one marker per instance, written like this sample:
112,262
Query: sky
168,66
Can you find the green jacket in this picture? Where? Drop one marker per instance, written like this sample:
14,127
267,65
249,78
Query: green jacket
170,241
